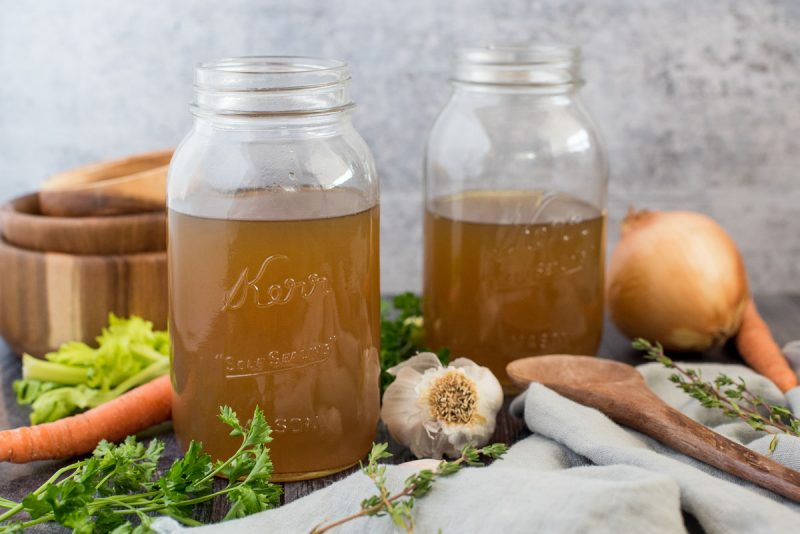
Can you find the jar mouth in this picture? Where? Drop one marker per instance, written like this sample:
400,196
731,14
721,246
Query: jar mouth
523,64
271,85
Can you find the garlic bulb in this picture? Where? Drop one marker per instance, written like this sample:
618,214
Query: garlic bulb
436,410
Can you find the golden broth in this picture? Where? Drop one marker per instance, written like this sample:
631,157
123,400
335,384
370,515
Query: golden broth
284,314
510,274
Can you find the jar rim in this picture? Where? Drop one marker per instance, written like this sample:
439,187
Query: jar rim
524,64
534,53
264,64
262,85
270,72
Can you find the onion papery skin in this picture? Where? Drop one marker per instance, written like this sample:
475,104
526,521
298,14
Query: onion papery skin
676,278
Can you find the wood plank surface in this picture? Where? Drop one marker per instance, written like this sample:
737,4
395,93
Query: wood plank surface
782,313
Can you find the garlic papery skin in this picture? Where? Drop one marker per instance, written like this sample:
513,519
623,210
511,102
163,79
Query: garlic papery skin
436,411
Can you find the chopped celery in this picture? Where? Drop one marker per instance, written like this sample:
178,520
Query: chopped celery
47,371
60,402
77,376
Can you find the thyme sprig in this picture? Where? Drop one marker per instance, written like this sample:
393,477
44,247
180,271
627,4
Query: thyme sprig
399,505
731,396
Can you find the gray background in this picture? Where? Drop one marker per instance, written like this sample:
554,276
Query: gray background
699,102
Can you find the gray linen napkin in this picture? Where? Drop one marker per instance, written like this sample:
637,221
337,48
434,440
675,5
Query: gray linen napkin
792,352
579,472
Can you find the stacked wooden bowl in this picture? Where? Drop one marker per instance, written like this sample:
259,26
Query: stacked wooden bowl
92,241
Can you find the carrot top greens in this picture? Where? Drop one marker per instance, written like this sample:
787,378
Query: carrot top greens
116,484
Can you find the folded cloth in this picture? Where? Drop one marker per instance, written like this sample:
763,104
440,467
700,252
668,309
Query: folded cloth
578,472
792,352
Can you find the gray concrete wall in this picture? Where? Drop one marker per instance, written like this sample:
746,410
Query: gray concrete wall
699,102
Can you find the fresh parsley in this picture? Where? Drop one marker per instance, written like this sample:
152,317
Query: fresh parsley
115,487
402,334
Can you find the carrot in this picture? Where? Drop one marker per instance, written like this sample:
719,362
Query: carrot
760,351
131,412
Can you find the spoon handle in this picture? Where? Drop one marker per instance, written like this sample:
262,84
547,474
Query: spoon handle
672,428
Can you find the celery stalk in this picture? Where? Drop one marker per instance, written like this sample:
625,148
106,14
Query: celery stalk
154,370
77,376
68,375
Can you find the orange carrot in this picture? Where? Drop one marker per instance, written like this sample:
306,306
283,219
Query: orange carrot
760,351
131,412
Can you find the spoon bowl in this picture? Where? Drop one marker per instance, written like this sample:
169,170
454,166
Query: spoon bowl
574,371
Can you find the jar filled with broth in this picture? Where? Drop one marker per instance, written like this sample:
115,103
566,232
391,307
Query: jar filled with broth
515,198
273,264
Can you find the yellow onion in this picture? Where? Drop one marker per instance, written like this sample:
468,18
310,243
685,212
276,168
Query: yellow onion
676,277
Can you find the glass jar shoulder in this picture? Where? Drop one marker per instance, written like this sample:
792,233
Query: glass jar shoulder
252,174
516,141
478,119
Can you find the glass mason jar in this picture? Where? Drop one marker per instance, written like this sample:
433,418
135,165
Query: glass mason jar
515,210
273,264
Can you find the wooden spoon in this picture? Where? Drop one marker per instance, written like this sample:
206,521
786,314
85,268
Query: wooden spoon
620,392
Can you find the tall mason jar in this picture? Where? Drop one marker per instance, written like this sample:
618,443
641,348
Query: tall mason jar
515,210
273,264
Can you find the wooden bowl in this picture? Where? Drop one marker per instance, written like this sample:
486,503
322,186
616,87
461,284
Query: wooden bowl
47,299
24,226
128,185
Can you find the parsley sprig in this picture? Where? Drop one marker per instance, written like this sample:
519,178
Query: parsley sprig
399,505
116,484
731,396
402,334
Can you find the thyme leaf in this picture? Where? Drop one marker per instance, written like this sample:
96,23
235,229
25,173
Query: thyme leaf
399,506
731,396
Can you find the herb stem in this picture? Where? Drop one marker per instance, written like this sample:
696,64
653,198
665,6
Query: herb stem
162,505
742,411
18,507
188,521
222,466
417,485
100,494
733,397
38,520
126,498
372,510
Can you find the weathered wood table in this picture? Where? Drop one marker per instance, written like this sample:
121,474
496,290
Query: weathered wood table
782,312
